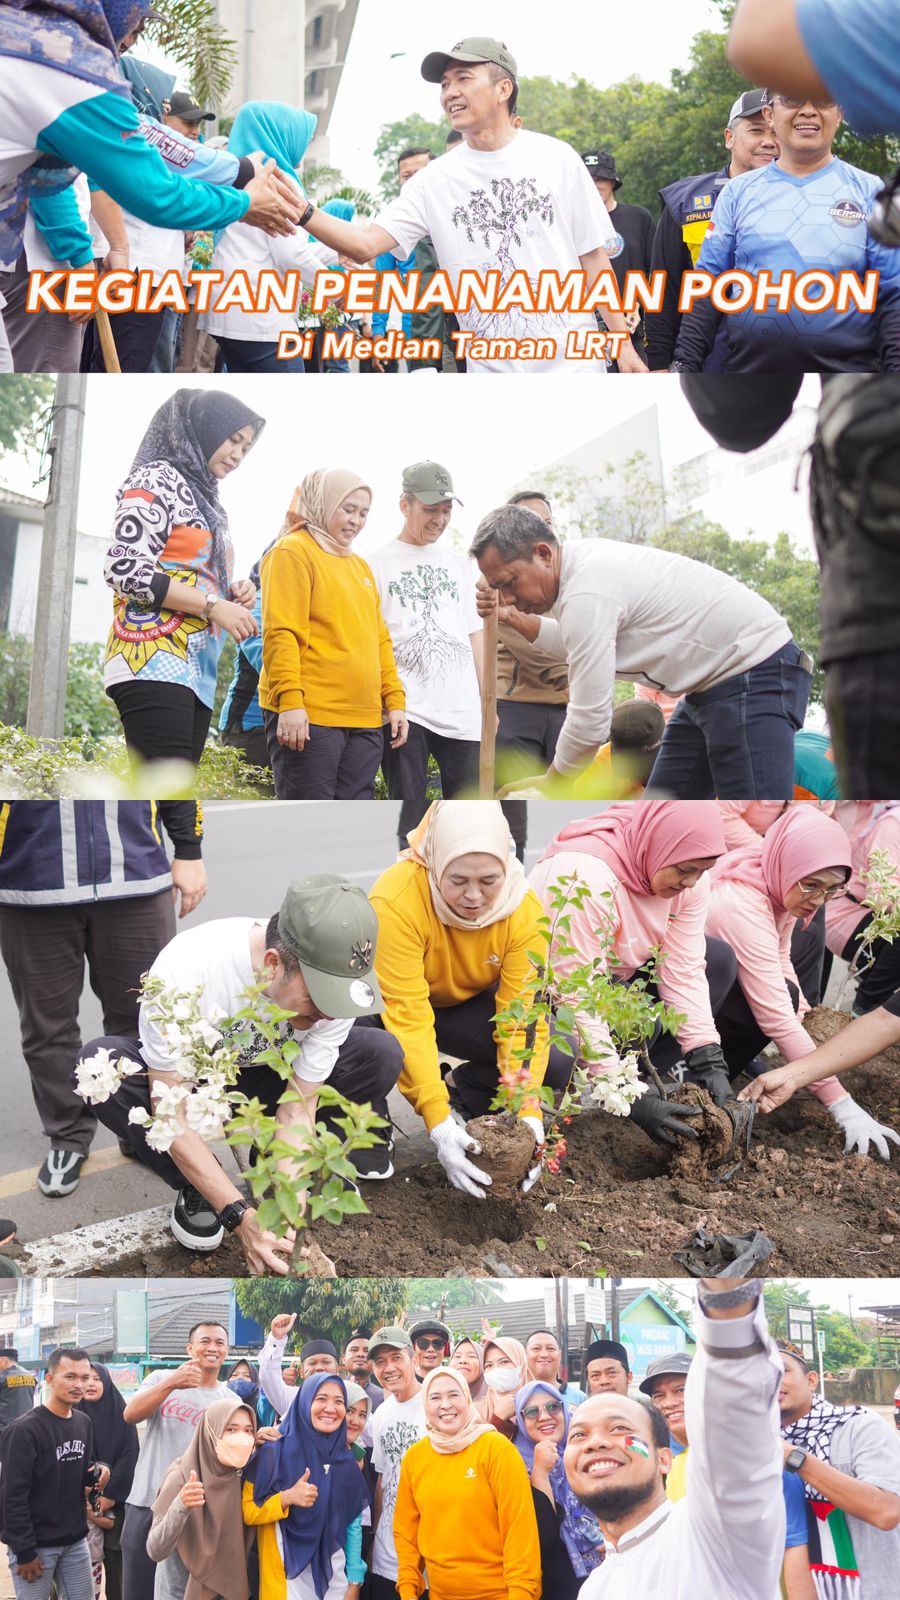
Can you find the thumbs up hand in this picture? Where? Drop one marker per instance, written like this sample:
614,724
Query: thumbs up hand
193,1494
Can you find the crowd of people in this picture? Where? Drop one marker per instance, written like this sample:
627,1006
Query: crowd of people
407,1461
347,666
725,909
103,171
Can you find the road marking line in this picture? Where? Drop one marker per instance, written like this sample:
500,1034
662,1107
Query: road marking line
16,1183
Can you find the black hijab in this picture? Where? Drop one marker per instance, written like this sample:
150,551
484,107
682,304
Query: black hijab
186,432
115,1440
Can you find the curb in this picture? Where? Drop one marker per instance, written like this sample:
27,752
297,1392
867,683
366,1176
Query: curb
98,1246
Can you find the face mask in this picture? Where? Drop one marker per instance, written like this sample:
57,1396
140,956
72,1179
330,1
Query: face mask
235,1449
503,1380
245,1388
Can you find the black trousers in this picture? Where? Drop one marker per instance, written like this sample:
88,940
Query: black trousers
406,771
368,1065
135,335
882,979
864,717
334,764
526,737
162,721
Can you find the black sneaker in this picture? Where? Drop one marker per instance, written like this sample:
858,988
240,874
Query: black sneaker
194,1222
60,1173
372,1165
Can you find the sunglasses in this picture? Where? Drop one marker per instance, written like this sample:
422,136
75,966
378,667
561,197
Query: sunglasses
818,891
553,1408
792,104
430,1344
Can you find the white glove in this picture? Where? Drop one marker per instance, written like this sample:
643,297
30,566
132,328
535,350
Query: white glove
537,1128
860,1130
451,1143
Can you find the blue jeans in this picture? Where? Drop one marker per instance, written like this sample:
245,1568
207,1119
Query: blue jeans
255,355
67,1566
736,741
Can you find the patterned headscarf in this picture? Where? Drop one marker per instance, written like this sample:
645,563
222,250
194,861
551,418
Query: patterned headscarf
814,1432
579,1529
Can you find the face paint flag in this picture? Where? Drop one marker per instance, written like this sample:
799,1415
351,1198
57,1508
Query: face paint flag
637,1447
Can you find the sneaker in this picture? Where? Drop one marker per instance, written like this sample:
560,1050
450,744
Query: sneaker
60,1173
127,1150
371,1165
194,1222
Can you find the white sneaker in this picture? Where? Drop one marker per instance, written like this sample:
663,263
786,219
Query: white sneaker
60,1173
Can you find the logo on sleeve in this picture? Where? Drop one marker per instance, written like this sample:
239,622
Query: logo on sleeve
615,246
847,213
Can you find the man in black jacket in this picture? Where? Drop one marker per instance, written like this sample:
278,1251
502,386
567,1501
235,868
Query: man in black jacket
46,1467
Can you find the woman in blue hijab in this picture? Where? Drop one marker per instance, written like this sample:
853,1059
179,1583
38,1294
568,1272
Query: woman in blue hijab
570,1537
249,340
305,1494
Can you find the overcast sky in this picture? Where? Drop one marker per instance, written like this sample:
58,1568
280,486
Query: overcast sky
491,432
836,1293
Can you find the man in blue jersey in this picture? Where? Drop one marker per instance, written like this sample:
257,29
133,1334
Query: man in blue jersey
807,210
802,46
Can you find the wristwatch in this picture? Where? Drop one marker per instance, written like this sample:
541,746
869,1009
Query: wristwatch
795,1459
232,1215
206,613
306,215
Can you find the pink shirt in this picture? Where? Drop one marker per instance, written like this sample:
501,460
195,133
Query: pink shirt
842,917
639,922
761,940
746,820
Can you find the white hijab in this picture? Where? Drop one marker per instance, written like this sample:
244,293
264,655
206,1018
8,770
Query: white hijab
454,828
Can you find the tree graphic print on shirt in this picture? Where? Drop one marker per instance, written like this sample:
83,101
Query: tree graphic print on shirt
505,214
430,653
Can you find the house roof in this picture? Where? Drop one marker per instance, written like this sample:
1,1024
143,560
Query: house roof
170,1326
519,1318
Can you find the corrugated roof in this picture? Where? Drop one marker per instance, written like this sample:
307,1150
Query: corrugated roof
169,1328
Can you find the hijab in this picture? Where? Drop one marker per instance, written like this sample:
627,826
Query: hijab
115,1440
185,433
246,1389
454,828
315,501
802,841
473,1428
496,1407
213,1543
77,37
479,1388
356,1392
311,1534
579,1529
283,133
638,839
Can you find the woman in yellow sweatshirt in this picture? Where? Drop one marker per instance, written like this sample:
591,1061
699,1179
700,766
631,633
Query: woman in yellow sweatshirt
457,927
328,669
464,1506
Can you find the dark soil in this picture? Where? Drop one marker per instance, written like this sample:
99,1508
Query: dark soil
617,1206
507,1147
696,1160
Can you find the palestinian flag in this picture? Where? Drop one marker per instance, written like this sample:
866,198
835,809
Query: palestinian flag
831,1559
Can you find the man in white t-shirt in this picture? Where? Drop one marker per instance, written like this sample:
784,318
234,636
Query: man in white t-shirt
504,200
317,954
428,602
397,1424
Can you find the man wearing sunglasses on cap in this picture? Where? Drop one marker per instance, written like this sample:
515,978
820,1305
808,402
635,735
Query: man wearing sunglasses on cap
431,1345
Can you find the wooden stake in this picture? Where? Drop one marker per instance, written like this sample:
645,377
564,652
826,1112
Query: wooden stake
488,708
107,342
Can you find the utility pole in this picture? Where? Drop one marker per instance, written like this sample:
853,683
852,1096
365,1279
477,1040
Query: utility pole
50,660
615,1285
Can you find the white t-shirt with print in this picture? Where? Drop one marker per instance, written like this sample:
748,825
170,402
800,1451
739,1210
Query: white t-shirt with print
396,1426
427,595
530,207
215,960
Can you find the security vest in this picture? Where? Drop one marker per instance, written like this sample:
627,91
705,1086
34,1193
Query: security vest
691,201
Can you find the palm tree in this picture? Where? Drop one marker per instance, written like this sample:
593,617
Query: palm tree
189,32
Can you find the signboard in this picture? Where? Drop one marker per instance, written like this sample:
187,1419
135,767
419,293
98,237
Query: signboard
131,1322
125,1375
821,1339
801,1331
595,1308
646,1343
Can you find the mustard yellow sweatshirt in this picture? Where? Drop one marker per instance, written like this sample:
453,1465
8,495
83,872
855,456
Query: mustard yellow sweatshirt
326,647
470,1519
423,965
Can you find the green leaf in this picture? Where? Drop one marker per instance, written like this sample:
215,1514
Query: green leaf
540,1243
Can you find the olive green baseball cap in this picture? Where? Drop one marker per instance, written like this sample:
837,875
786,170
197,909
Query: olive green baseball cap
393,1338
330,928
474,49
429,482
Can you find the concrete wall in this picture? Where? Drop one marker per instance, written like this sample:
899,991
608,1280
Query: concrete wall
863,1386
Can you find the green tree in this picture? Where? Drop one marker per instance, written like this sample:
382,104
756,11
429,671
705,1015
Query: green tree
408,132
845,1345
451,1292
634,513
778,1294
24,411
329,1307
189,31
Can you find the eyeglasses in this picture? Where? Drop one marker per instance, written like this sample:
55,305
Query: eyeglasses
553,1408
792,104
818,891
430,1344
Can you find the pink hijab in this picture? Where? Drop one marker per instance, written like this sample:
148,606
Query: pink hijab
640,837
801,842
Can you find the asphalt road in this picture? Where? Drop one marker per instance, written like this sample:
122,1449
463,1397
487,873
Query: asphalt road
252,849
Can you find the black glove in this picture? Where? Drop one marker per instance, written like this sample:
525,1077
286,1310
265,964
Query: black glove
707,1066
662,1119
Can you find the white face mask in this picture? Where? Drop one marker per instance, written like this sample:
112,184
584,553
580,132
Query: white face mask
235,1449
504,1380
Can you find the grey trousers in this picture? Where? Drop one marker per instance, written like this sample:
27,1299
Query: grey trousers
41,341
45,949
